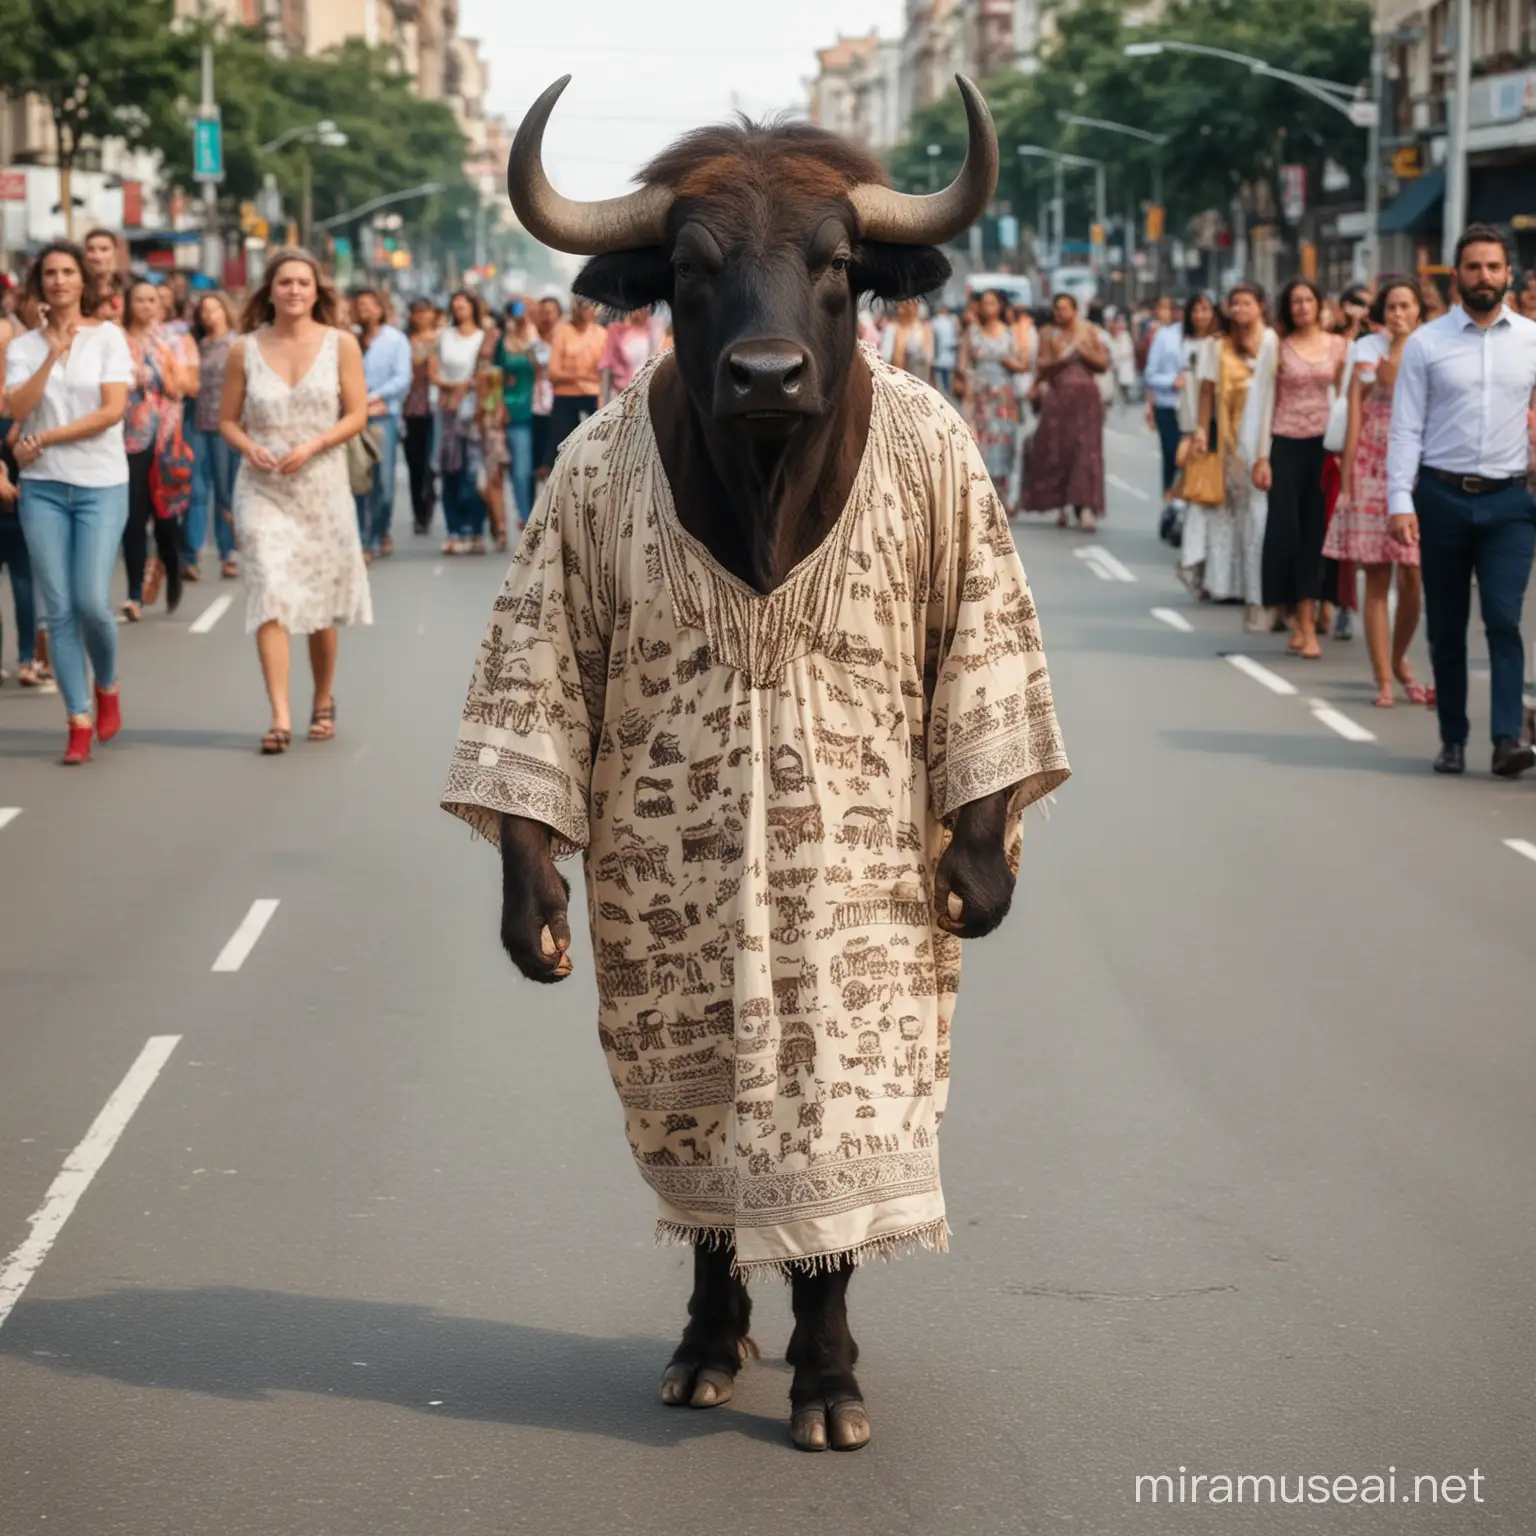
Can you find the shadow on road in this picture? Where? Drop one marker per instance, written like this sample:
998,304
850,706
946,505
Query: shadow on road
1318,751
245,1345
48,743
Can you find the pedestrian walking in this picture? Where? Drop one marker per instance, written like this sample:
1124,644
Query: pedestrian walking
294,394
1288,465
453,374
517,357
989,359
417,413
575,357
488,437
1121,346
1165,365
1457,458
102,256
15,561
1219,557
946,348
151,421
1357,533
1177,363
625,351
213,461
387,372
67,384
908,342
1066,461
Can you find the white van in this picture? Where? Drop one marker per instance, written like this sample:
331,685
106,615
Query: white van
1018,289
1079,282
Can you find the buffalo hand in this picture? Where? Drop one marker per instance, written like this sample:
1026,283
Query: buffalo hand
535,896
973,887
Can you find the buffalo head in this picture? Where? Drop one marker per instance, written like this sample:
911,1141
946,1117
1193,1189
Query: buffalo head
760,238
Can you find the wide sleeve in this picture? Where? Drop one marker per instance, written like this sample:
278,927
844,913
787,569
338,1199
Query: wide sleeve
535,708
116,356
991,718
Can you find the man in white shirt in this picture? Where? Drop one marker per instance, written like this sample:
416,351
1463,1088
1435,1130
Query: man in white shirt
1457,459
946,347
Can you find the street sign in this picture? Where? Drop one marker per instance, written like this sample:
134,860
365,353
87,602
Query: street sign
1364,114
13,186
1096,234
207,149
1008,232
1406,165
1154,223
1293,192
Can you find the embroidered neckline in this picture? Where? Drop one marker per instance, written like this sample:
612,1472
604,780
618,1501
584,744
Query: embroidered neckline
760,633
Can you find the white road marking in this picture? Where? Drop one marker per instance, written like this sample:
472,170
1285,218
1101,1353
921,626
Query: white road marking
1271,680
361,753
8,814
1127,487
1335,720
80,1167
1105,563
437,570
421,627
1174,620
1524,849
243,941
211,614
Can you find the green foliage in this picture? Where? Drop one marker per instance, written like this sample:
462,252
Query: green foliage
395,140
1226,126
105,67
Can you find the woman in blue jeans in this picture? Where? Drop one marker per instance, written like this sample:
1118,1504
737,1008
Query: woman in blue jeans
213,460
67,384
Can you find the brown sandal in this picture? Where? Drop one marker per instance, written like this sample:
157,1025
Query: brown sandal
322,723
276,741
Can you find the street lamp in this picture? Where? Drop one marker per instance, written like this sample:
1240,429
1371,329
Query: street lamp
1100,210
328,136
1158,141
1362,111
934,151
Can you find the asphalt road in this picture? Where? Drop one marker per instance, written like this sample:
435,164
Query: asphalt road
1238,1157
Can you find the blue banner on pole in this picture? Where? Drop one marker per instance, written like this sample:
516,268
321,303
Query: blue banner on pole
207,149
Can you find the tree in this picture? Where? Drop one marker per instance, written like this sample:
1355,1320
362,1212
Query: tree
106,69
1226,128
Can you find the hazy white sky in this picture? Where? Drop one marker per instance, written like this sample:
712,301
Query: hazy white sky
645,71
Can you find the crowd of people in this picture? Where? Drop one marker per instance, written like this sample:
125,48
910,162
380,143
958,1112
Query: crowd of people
136,414
130,407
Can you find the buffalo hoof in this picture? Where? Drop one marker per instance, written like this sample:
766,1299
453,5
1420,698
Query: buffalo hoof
842,1426
695,1383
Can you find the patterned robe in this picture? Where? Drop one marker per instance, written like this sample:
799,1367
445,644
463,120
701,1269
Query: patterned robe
760,786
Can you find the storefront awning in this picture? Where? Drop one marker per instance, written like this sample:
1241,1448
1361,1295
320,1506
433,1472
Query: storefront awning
1416,209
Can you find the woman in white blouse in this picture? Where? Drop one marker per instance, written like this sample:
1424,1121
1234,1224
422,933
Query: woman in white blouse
67,384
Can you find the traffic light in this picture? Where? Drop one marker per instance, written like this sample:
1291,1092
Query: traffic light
1154,223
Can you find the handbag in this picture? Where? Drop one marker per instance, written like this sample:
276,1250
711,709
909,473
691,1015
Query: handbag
363,452
1338,425
1202,476
170,470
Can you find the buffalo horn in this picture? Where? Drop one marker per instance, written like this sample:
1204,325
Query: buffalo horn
905,219
582,229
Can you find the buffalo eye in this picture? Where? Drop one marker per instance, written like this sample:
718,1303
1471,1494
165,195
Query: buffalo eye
838,265
682,268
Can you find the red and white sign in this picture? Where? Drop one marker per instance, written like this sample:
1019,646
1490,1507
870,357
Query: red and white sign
13,186
133,204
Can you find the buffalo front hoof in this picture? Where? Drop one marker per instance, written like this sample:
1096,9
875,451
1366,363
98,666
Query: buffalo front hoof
689,1386
840,1426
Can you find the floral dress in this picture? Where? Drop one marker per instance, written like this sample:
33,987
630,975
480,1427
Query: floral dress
303,560
991,408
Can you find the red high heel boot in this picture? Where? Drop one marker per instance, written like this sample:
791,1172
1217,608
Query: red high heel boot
109,715
79,748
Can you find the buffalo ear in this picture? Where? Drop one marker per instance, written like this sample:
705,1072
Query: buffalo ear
898,272
625,280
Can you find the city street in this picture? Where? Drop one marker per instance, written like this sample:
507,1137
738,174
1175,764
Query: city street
1238,1158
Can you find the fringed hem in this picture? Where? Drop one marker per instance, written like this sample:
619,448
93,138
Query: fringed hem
932,1235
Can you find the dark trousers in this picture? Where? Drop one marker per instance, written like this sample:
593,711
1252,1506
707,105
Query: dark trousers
569,412
141,518
1494,536
1292,569
540,442
1168,435
418,463
13,557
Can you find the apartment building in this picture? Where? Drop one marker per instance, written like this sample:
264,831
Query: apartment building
1419,50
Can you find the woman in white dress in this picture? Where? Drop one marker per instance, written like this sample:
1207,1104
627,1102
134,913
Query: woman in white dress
293,396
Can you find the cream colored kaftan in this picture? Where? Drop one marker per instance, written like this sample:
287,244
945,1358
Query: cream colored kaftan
759,785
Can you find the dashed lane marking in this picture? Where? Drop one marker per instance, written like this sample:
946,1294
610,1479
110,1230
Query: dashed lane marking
8,814
437,570
1127,487
211,614
1337,720
80,1167
1271,680
1104,564
1524,849
244,938
1174,620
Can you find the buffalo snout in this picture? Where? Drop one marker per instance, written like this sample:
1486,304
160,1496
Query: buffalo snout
767,378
